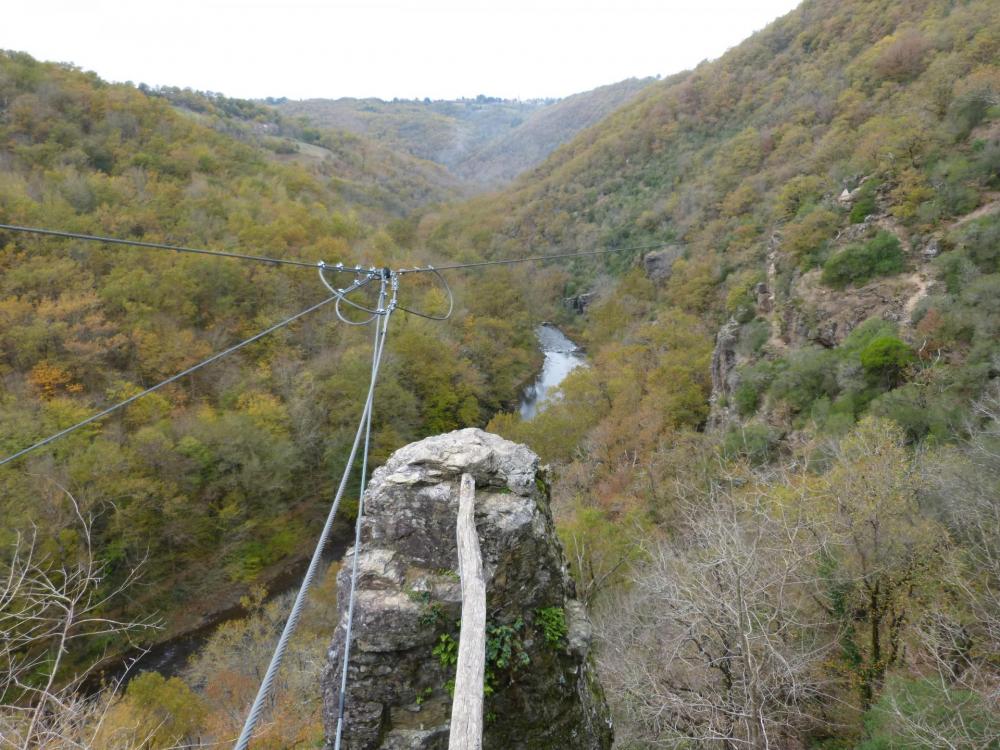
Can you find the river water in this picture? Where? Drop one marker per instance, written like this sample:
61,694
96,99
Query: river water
562,356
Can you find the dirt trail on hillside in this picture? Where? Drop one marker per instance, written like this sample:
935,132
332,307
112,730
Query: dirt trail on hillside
919,278
991,206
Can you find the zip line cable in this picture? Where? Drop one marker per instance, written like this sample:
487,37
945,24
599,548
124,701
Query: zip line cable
305,264
357,530
171,379
381,328
509,261
380,315
153,245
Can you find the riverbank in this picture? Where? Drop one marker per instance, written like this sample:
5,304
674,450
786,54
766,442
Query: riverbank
170,655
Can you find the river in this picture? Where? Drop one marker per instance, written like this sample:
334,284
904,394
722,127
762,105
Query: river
562,356
169,657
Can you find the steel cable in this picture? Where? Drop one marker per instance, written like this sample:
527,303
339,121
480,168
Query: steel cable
161,384
357,537
153,245
509,261
266,684
451,300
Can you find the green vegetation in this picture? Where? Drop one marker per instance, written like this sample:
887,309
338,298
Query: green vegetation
218,481
864,204
808,238
850,504
757,443
504,649
885,359
166,711
485,141
858,264
552,621
446,650
830,388
979,241
912,712
433,613
505,654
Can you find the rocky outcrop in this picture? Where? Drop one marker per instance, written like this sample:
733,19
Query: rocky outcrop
815,313
849,196
764,298
542,688
826,316
932,249
856,232
659,263
580,302
724,375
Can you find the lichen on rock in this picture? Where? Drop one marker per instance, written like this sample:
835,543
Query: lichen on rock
542,694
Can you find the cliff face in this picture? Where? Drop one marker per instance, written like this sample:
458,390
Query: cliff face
542,690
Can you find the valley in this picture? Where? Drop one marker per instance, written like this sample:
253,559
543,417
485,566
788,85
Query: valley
773,472
484,142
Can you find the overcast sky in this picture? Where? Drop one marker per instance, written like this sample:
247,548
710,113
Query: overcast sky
383,48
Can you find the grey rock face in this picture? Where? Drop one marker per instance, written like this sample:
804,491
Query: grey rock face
724,375
545,695
659,263
580,302
764,297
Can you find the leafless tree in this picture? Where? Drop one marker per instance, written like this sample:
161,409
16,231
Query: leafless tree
46,607
720,643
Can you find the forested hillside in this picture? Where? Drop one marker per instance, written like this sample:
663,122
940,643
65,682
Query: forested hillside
778,477
439,131
372,176
217,481
484,141
501,159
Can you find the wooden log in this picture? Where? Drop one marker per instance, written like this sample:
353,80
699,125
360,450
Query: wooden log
467,705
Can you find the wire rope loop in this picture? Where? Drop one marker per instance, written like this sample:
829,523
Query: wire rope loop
448,291
348,321
342,293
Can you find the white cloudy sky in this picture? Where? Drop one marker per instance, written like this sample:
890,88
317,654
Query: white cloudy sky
383,48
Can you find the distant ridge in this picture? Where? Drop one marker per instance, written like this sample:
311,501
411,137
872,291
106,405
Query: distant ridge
485,141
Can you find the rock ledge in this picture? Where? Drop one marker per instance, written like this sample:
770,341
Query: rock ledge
546,695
